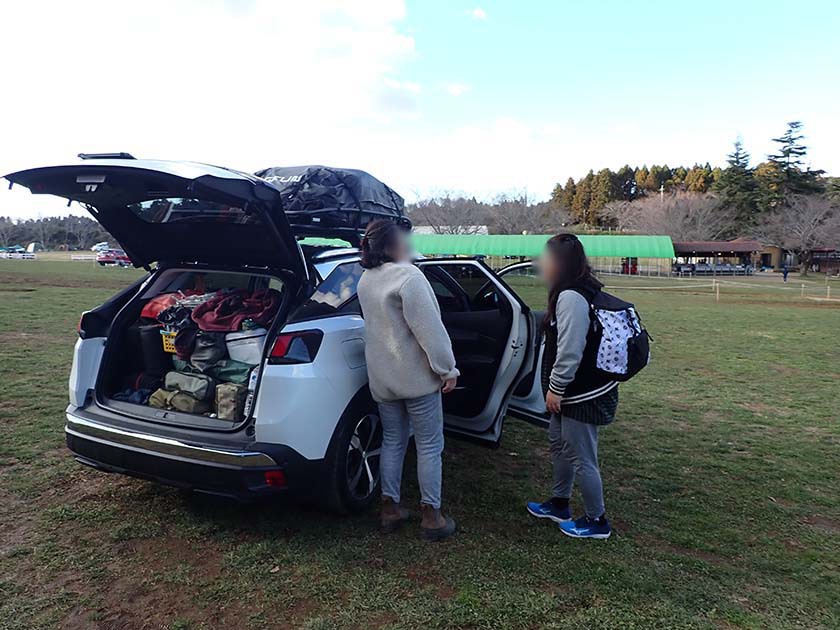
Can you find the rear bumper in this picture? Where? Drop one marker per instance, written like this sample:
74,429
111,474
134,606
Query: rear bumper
239,474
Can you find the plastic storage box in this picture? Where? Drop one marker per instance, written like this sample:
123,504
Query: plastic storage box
246,345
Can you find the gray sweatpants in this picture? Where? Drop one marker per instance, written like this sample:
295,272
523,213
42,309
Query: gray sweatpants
574,455
425,416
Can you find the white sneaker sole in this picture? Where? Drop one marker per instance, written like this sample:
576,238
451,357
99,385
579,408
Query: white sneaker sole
548,516
595,536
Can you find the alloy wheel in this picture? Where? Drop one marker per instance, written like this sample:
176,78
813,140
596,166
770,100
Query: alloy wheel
363,454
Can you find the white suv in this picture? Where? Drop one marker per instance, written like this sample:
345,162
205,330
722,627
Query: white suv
312,429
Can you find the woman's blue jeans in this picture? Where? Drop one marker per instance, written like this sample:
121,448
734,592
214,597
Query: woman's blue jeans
425,416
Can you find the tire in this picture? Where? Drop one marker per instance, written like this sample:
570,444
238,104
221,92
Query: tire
354,459
102,264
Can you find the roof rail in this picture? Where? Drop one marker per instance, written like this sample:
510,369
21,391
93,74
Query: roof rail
106,156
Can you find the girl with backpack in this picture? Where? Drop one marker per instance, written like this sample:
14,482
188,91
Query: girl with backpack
580,398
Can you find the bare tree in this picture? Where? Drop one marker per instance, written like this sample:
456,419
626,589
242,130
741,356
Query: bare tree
801,225
448,214
511,213
683,216
508,213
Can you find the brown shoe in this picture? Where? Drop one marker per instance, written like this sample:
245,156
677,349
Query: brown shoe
391,516
434,525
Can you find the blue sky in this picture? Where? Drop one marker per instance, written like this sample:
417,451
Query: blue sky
477,98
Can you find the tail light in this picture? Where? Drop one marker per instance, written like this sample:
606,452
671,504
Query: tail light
296,347
275,478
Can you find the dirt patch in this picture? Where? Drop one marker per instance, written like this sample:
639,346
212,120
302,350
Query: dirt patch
761,409
823,523
679,550
429,579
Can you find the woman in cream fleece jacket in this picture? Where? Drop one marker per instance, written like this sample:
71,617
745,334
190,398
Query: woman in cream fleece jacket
410,362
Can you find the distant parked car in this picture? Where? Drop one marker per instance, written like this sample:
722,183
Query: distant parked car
113,257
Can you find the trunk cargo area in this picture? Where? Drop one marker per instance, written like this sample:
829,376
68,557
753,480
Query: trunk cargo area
186,349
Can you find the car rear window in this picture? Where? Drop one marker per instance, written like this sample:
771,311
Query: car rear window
336,294
175,209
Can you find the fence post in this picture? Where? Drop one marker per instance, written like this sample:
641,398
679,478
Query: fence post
717,290
802,293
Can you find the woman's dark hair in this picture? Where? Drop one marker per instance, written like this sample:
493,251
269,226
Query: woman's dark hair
575,271
381,236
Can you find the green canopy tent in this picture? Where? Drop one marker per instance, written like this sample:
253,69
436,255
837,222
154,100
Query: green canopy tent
530,245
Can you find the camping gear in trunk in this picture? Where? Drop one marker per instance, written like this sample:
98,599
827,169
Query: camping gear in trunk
199,386
246,345
224,371
210,348
155,358
227,312
230,401
178,401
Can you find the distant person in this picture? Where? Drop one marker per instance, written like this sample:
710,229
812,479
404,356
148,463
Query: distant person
409,363
580,402
784,273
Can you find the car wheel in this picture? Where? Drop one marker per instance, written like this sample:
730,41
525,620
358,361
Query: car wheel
355,467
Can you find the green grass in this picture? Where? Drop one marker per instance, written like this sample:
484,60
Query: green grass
722,475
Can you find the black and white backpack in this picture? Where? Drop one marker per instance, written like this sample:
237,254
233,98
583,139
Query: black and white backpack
623,345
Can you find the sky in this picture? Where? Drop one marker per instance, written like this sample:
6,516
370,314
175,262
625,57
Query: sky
431,96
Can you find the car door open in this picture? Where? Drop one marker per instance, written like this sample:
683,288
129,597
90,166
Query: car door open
528,399
491,331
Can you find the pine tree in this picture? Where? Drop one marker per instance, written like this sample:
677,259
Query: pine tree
583,198
641,178
568,195
604,190
738,190
626,181
698,179
794,176
557,195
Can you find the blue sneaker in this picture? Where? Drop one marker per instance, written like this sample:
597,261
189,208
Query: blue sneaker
550,511
586,527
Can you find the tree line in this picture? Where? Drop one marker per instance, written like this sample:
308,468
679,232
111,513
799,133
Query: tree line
781,201
70,232
744,191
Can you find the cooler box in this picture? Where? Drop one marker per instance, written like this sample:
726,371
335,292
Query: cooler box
246,345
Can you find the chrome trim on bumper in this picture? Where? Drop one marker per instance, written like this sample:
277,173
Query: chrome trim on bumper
164,447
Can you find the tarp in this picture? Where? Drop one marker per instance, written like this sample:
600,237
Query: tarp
317,199
530,245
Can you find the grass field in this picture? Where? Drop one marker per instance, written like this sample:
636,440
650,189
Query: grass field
722,476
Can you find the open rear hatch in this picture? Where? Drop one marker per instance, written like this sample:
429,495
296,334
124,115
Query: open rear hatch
218,235
177,212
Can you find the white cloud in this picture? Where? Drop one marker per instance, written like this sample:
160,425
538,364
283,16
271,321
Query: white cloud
477,13
246,85
457,89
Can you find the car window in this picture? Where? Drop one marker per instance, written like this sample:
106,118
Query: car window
461,288
178,209
337,293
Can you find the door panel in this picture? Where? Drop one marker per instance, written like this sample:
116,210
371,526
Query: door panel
528,401
490,331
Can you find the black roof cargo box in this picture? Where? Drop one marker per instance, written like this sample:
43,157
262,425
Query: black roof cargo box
322,200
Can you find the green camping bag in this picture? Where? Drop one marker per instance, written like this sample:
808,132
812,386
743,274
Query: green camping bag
178,401
199,386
